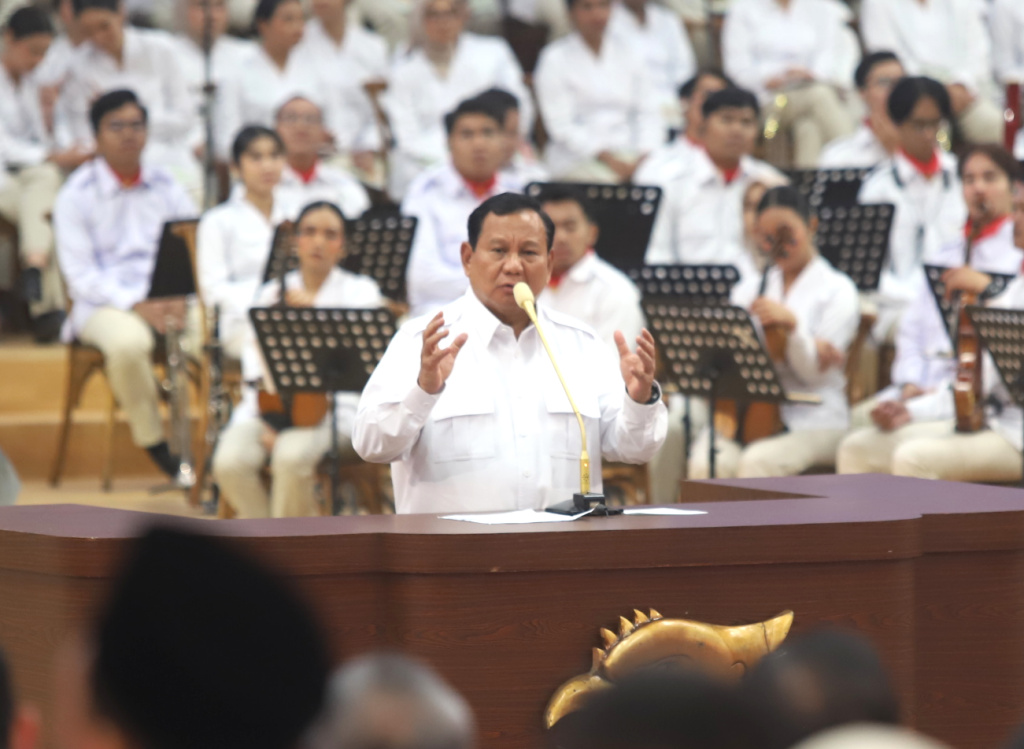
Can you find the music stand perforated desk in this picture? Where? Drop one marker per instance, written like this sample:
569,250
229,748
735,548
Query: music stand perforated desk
855,240
316,350
829,187
948,308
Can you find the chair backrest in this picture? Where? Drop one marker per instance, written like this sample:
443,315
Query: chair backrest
625,218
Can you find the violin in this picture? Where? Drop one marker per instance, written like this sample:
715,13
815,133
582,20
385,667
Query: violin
967,385
294,409
749,422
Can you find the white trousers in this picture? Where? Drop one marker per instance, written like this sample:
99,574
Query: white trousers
786,454
240,456
948,455
814,116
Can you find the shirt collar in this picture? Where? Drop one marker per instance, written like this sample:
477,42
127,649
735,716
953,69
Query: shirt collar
989,230
908,172
482,323
706,170
110,184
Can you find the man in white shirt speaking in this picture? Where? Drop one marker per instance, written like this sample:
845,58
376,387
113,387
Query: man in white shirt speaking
485,424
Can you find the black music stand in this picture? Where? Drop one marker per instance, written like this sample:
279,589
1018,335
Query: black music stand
855,239
172,271
1002,332
948,308
713,353
829,187
313,350
625,217
376,245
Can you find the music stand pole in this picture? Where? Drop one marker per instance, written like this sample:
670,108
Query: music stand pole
687,434
209,163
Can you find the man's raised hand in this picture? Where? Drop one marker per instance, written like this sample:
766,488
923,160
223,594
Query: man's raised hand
436,363
637,367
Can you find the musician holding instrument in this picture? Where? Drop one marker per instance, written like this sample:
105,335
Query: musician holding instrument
292,433
808,312
233,240
993,453
466,405
107,222
918,402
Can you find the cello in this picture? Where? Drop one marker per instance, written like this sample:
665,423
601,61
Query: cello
967,385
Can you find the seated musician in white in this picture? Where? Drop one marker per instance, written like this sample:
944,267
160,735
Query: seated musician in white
925,361
233,240
466,406
293,451
817,307
107,220
992,454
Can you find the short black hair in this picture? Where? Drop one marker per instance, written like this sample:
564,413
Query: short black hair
265,10
111,101
319,205
6,704
909,90
476,105
82,5
730,98
687,89
29,21
561,193
867,64
998,155
505,204
785,196
501,100
248,135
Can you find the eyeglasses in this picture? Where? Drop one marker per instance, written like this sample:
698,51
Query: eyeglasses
440,15
121,126
300,119
884,82
925,126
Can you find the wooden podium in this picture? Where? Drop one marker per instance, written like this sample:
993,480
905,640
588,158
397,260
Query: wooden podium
932,572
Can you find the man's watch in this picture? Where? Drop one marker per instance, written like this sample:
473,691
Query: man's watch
655,394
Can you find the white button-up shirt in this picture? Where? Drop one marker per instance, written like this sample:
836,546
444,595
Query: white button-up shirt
1007,26
418,97
501,434
442,202
57,64
24,140
593,103
662,43
943,39
761,40
362,55
826,307
666,162
107,236
330,184
340,290
930,213
232,247
152,70
600,295
859,149
924,351
700,219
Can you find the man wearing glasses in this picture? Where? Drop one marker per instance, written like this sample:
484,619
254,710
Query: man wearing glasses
108,219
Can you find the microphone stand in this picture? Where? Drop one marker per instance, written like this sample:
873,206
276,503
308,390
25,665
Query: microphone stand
210,187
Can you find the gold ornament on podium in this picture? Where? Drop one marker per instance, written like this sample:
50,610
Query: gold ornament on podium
651,640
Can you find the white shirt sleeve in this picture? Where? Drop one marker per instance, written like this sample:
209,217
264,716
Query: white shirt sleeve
909,365
214,267
837,325
738,45
1007,41
558,106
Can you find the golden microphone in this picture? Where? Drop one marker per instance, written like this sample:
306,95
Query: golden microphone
524,298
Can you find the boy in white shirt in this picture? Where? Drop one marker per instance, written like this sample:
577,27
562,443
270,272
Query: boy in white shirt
520,161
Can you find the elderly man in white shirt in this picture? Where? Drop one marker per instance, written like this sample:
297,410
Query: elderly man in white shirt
946,40
876,139
444,197
670,160
34,166
299,122
925,355
598,100
700,220
485,425
920,180
662,42
294,450
145,61
108,219
794,54
446,66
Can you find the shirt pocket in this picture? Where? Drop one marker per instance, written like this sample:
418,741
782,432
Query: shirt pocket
563,428
464,429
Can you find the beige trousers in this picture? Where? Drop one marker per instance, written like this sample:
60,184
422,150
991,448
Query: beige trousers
26,200
787,454
942,453
867,449
813,115
240,456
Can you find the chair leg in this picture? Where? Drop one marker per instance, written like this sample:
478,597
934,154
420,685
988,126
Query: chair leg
108,461
78,374
195,494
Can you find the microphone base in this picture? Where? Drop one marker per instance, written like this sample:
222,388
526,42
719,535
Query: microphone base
583,502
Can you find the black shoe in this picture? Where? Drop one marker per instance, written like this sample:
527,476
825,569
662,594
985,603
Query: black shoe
161,455
46,327
31,284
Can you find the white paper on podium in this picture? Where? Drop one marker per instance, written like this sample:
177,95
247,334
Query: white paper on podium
516,517
661,511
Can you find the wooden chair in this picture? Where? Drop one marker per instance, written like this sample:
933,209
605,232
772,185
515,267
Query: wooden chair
634,481
856,388
367,479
